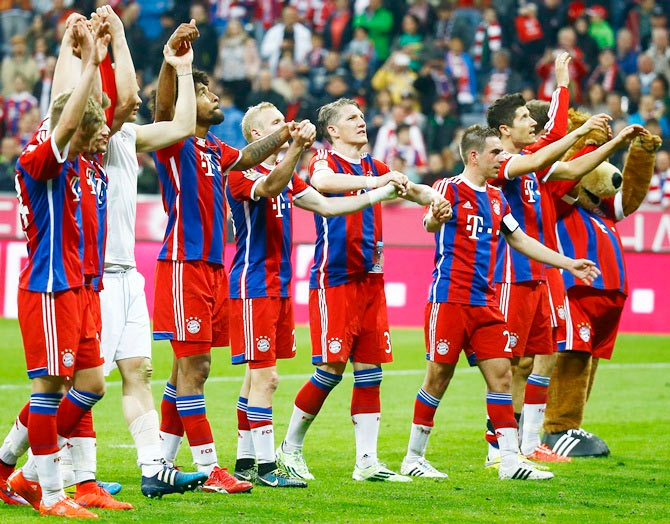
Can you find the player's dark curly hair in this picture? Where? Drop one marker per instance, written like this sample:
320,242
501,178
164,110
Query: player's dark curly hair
502,111
199,77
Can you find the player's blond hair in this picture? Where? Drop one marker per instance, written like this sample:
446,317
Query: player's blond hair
329,114
92,119
251,121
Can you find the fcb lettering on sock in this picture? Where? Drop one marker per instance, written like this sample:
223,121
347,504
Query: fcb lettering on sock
73,407
425,406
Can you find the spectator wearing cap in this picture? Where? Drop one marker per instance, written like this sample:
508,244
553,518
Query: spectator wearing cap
607,73
287,37
659,51
488,40
338,30
600,29
585,42
395,75
552,15
230,130
501,80
19,61
379,23
625,51
461,68
567,41
238,61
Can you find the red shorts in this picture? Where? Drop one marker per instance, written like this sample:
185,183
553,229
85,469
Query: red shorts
525,306
94,300
557,305
261,329
478,330
191,302
59,332
593,320
350,322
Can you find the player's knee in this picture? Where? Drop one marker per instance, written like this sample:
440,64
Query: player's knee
200,372
139,374
97,388
524,367
502,382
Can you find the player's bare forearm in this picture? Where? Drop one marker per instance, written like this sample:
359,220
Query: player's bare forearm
530,247
524,164
165,93
431,224
575,169
64,77
339,206
74,107
330,182
124,77
254,153
421,194
281,175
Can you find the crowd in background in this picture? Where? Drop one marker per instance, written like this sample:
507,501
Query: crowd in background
421,70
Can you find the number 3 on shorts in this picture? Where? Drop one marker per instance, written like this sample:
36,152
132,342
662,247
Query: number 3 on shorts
388,341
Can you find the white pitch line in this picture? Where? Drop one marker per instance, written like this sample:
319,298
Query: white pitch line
387,373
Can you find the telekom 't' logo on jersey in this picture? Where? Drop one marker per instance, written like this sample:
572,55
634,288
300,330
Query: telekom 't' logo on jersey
474,226
529,189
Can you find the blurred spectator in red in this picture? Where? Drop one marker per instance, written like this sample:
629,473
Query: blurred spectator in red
488,40
362,45
395,76
639,22
626,52
338,30
17,103
659,189
659,51
552,15
287,37
501,79
461,68
633,88
360,77
238,62
585,42
265,15
410,41
332,65
567,41
530,41
600,29
595,99
607,73
314,13
387,140
263,92
379,22
441,126
19,61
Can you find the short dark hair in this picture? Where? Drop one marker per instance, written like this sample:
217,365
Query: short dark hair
329,113
503,110
474,139
539,111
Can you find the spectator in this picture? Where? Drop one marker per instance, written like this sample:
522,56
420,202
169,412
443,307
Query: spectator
441,126
14,19
659,92
230,130
626,53
287,37
413,159
205,47
336,87
410,41
155,50
238,62
659,189
614,109
410,105
42,90
600,29
639,22
319,76
645,67
387,139
285,73
654,127
39,30
396,76
443,26
360,77
607,73
488,40
501,79
10,149
362,45
659,51
28,123
529,41
648,110
317,53
338,31
18,62
18,103
379,22
151,20
435,169
425,15
461,68
379,113
263,92
633,88
567,41
433,83
314,13
595,100
300,105
586,43
552,16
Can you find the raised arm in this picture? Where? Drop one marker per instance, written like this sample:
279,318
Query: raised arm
254,153
325,180
158,135
337,206
65,72
93,51
582,269
575,169
523,164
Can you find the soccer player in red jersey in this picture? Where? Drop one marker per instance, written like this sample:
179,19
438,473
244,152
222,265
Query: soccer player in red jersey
262,327
51,292
462,310
347,304
191,285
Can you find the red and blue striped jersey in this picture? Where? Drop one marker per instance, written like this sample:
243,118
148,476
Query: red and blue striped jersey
263,234
192,175
593,235
345,244
523,195
94,217
465,246
49,194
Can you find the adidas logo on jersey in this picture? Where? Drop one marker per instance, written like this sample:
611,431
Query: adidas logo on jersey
467,205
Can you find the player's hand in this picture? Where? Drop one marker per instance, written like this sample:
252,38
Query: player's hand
185,33
107,14
441,210
628,133
181,63
399,180
561,68
72,19
303,134
599,121
584,270
101,43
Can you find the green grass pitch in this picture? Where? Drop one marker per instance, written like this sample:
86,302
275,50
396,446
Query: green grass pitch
629,408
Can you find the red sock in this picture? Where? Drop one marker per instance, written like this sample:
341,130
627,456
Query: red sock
191,409
23,414
500,410
42,424
84,429
242,420
425,407
365,400
314,393
170,419
73,407
536,389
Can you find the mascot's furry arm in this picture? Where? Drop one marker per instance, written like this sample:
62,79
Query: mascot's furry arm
595,137
638,170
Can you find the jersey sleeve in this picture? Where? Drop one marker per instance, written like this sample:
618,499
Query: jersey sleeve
108,87
502,176
320,162
299,186
557,125
242,184
381,167
42,161
509,224
229,156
